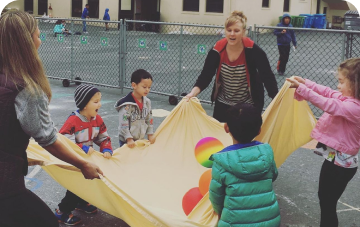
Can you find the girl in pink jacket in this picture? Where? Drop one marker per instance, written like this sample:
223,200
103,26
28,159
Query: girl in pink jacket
337,131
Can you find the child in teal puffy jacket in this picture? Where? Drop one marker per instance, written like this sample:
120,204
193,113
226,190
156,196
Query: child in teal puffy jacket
241,190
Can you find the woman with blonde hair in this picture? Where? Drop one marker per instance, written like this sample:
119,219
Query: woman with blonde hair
241,67
24,97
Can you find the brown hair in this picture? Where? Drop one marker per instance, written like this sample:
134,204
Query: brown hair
19,59
351,70
236,16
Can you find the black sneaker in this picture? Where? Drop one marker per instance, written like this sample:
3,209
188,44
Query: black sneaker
88,208
67,219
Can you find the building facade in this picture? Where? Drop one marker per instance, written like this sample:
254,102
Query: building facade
260,12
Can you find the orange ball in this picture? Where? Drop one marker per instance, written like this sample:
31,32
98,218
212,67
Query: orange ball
204,182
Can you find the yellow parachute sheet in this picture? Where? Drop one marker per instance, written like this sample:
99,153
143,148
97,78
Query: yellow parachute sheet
145,185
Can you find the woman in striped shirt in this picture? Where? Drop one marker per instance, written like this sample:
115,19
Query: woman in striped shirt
241,67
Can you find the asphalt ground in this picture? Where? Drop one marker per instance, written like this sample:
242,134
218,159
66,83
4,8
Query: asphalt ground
295,187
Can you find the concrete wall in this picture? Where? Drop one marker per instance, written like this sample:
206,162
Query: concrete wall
16,5
60,8
171,10
113,9
270,16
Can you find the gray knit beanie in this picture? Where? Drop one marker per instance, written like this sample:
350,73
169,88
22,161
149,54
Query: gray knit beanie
83,94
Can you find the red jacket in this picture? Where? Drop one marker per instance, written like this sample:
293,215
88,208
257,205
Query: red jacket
82,132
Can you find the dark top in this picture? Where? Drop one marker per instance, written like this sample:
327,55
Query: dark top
257,68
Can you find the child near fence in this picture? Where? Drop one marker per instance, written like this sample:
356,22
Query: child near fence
106,17
60,28
337,133
284,38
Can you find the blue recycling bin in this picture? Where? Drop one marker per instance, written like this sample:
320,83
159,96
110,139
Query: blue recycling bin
309,20
319,21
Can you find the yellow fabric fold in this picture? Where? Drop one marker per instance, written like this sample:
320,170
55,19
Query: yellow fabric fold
145,185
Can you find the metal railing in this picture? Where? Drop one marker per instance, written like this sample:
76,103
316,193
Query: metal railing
174,53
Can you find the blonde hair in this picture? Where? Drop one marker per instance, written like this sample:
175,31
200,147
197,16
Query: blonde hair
19,59
236,16
351,70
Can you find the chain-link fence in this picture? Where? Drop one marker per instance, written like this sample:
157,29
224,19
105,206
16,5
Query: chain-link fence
174,53
352,45
75,49
318,54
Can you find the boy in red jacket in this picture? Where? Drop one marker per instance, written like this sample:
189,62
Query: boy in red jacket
84,127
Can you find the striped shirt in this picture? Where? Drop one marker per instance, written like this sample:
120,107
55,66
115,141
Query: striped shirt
234,85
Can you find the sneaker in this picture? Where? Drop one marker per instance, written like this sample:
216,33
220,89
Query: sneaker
88,208
280,73
67,219
85,32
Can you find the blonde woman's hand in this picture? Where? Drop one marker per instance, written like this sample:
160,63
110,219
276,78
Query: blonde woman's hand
194,92
189,96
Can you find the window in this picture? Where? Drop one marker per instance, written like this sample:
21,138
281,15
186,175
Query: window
325,10
76,8
29,6
191,5
215,6
42,7
94,8
286,6
265,3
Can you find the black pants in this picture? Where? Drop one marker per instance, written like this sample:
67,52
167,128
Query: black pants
332,183
220,110
284,51
26,210
70,201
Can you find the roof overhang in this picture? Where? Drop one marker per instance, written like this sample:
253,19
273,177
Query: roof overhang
339,6
334,1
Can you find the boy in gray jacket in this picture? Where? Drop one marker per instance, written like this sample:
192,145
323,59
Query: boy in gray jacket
135,117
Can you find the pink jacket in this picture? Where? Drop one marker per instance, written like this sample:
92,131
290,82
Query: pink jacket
339,126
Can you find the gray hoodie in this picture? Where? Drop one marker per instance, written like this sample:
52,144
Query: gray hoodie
133,122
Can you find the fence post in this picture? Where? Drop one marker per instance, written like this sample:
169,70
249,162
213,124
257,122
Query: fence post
250,32
72,50
180,60
124,50
120,54
351,45
255,34
343,47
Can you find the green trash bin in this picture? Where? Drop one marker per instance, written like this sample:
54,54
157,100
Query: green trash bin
300,20
296,23
293,20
